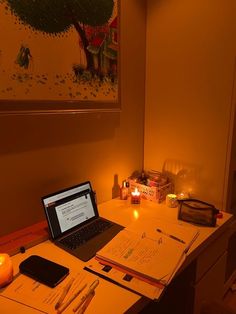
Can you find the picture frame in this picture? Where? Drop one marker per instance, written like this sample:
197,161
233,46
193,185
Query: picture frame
54,59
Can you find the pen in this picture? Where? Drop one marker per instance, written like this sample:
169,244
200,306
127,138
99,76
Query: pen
64,306
84,297
170,236
64,293
86,303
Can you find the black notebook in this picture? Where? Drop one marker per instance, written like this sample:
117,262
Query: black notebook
74,222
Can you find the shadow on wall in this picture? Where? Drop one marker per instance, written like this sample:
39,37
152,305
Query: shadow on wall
184,176
20,133
115,192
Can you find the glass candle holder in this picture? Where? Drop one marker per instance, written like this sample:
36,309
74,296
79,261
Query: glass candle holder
171,200
135,197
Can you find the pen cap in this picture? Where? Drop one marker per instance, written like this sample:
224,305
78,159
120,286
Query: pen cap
94,285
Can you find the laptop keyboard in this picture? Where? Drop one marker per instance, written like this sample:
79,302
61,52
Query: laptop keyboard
86,233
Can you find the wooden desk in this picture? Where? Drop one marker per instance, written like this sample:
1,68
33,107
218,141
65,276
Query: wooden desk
204,266
208,255
101,302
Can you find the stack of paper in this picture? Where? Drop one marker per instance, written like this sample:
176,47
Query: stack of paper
121,278
150,250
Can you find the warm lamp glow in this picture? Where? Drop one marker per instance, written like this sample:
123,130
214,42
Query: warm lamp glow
6,269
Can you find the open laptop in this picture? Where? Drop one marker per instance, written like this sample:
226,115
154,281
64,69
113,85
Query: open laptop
74,221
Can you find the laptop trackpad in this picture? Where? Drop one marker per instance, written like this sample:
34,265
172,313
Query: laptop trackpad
89,249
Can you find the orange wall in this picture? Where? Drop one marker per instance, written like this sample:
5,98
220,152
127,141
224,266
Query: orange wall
191,49
40,154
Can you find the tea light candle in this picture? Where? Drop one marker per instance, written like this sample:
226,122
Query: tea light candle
135,197
182,195
171,200
6,270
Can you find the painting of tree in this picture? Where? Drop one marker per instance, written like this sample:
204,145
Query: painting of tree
59,50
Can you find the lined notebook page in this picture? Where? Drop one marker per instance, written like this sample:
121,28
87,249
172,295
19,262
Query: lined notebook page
146,252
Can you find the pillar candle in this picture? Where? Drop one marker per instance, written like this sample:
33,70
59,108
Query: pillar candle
6,269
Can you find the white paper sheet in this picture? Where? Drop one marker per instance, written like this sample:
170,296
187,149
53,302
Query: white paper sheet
36,295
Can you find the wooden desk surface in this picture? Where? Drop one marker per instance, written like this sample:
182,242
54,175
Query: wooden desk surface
109,297
125,213
106,296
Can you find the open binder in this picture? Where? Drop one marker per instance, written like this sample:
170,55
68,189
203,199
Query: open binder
151,251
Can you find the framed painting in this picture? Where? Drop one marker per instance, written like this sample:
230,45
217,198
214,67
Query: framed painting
59,56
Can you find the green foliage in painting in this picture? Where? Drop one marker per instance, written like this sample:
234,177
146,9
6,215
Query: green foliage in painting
57,16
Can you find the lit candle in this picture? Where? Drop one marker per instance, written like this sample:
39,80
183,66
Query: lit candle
6,270
135,197
182,195
171,200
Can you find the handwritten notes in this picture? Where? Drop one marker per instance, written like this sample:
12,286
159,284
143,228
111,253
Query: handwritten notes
155,259
133,249
155,256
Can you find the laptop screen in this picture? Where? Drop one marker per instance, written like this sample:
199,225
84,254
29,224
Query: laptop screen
69,208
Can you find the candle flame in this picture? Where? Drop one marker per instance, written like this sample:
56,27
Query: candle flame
136,192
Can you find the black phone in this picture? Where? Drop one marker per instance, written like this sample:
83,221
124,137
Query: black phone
43,270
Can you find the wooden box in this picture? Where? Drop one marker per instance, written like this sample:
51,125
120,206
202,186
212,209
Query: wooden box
151,193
